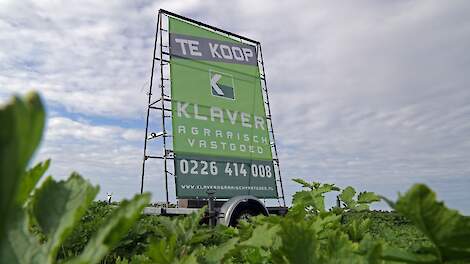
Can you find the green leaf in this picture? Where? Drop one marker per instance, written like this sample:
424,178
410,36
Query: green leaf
312,201
372,250
299,243
30,180
320,188
19,245
367,197
361,207
136,259
116,226
263,236
167,251
187,230
217,254
325,188
339,249
347,196
357,229
190,259
163,251
305,199
447,229
58,206
302,182
22,123
400,255
254,255
362,202
324,223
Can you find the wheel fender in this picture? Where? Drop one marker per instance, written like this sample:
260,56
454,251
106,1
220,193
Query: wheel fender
228,208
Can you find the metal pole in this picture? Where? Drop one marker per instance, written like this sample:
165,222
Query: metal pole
163,109
271,122
148,110
210,207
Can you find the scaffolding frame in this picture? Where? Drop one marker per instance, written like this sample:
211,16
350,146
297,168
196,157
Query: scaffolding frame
161,103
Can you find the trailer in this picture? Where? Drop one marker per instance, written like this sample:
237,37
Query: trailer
212,85
227,213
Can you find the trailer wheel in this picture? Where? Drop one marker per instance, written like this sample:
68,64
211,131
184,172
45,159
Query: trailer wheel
245,211
241,208
243,215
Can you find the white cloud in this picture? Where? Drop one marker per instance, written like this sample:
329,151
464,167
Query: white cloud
110,156
60,128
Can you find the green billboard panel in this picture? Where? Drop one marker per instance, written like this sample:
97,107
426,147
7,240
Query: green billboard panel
220,134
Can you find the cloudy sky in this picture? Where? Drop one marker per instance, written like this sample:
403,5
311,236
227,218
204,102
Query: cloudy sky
373,94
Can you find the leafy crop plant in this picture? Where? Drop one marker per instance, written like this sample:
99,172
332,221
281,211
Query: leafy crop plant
56,206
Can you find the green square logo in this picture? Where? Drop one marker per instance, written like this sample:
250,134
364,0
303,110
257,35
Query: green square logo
222,84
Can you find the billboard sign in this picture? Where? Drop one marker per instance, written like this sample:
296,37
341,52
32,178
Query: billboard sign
220,134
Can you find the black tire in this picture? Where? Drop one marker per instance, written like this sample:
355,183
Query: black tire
244,214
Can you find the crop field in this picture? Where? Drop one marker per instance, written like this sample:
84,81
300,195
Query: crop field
390,227
52,221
